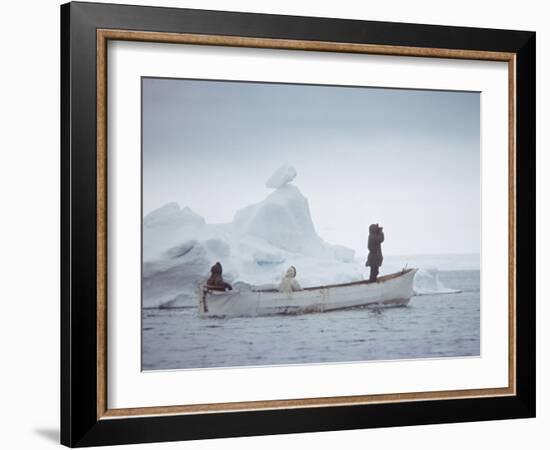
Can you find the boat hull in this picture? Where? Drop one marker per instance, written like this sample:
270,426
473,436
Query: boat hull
391,290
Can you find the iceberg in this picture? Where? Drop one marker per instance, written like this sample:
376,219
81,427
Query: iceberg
179,247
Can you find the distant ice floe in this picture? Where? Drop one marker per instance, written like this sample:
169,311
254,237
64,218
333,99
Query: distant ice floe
427,282
442,262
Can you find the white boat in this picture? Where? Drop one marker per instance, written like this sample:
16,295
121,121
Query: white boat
395,289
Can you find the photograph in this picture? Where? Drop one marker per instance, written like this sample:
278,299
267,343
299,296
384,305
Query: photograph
293,224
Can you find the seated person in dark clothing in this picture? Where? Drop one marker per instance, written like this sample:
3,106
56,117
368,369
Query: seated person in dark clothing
374,260
215,282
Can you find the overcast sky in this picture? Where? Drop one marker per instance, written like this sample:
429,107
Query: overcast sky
408,159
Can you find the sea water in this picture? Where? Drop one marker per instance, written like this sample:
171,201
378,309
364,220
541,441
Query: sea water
431,326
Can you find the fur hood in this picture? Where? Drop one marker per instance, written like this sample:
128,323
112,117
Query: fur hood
289,283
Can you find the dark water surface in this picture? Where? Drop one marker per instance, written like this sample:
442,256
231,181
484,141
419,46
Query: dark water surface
442,325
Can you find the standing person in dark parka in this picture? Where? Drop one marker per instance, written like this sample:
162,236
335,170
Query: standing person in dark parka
374,260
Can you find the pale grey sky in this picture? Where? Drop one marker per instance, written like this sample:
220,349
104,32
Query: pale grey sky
408,159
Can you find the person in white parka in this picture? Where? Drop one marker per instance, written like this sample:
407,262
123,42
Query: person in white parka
289,282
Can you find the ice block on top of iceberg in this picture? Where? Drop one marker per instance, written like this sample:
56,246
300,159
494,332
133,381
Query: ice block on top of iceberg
281,177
